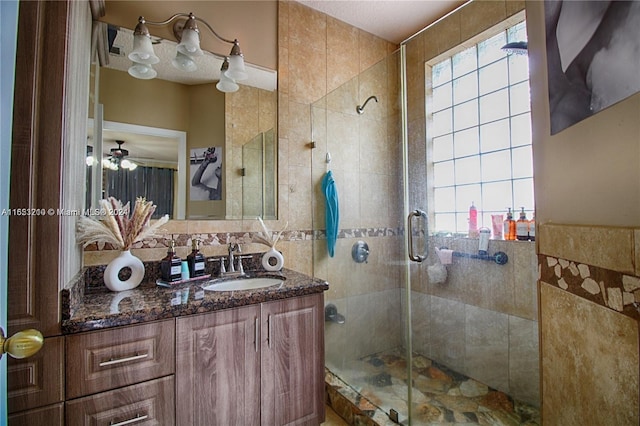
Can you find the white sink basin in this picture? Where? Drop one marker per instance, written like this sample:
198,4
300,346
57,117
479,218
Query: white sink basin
243,284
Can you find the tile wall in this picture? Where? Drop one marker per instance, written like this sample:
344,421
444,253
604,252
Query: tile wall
589,297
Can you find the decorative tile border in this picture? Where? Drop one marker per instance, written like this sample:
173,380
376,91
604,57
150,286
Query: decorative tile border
223,238
611,289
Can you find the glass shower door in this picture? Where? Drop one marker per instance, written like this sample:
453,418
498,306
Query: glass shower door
357,134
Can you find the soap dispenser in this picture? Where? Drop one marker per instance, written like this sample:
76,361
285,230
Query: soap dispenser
196,260
171,265
522,227
509,226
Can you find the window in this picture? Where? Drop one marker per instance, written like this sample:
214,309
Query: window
480,133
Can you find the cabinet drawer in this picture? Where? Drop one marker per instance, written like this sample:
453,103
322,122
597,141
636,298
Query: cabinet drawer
104,360
144,404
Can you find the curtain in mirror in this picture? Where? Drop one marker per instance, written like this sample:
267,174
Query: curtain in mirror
155,182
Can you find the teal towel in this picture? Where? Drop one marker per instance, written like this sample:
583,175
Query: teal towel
332,211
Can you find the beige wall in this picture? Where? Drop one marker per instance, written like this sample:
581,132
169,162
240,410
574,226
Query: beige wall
153,103
253,23
587,187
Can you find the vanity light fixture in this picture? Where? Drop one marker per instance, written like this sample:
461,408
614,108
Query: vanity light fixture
188,35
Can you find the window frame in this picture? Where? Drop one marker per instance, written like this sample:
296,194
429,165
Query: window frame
459,212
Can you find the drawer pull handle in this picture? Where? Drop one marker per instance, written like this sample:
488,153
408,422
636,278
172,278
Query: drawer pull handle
136,419
121,360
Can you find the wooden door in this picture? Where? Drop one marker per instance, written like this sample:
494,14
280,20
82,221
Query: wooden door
43,111
218,368
293,361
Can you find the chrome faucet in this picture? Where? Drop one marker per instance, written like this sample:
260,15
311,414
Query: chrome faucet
232,248
231,270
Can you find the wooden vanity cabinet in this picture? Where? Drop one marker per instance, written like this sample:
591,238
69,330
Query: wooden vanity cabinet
259,364
292,359
148,403
218,368
121,376
108,359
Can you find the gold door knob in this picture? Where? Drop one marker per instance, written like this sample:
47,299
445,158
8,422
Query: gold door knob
23,344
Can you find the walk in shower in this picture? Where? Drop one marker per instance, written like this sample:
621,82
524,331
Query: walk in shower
468,342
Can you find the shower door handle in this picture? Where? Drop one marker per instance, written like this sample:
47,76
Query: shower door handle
419,213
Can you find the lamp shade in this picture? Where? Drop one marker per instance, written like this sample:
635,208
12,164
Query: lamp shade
190,43
142,71
143,50
226,84
184,62
236,69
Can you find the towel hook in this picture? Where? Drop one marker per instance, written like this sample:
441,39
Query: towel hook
328,160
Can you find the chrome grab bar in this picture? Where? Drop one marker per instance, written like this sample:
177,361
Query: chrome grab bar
419,213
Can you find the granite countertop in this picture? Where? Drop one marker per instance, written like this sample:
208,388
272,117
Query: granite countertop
149,302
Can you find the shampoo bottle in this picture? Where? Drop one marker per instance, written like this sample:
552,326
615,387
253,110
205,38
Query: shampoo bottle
532,228
171,265
195,259
473,221
522,227
509,226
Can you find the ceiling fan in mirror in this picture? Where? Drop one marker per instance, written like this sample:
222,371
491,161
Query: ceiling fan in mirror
117,159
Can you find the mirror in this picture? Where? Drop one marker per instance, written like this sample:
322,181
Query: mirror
177,123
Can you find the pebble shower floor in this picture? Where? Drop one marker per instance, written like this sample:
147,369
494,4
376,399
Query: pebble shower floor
441,396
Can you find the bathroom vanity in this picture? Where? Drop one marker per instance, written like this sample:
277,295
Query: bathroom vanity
189,356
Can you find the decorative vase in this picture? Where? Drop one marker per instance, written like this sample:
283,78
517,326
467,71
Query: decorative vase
124,260
272,260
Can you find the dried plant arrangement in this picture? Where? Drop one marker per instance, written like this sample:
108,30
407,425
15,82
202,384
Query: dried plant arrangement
116,227
266,237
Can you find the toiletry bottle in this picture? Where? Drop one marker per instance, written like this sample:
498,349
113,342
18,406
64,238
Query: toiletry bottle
522,227
532,228
196,260
509,226
483,241
171,265
473,221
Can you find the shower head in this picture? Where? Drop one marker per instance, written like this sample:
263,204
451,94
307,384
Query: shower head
360,109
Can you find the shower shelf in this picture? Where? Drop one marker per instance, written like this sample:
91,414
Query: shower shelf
499,257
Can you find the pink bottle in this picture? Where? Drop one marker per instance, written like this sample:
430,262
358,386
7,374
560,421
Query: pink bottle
473,222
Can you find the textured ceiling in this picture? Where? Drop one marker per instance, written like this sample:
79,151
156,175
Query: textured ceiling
392,20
